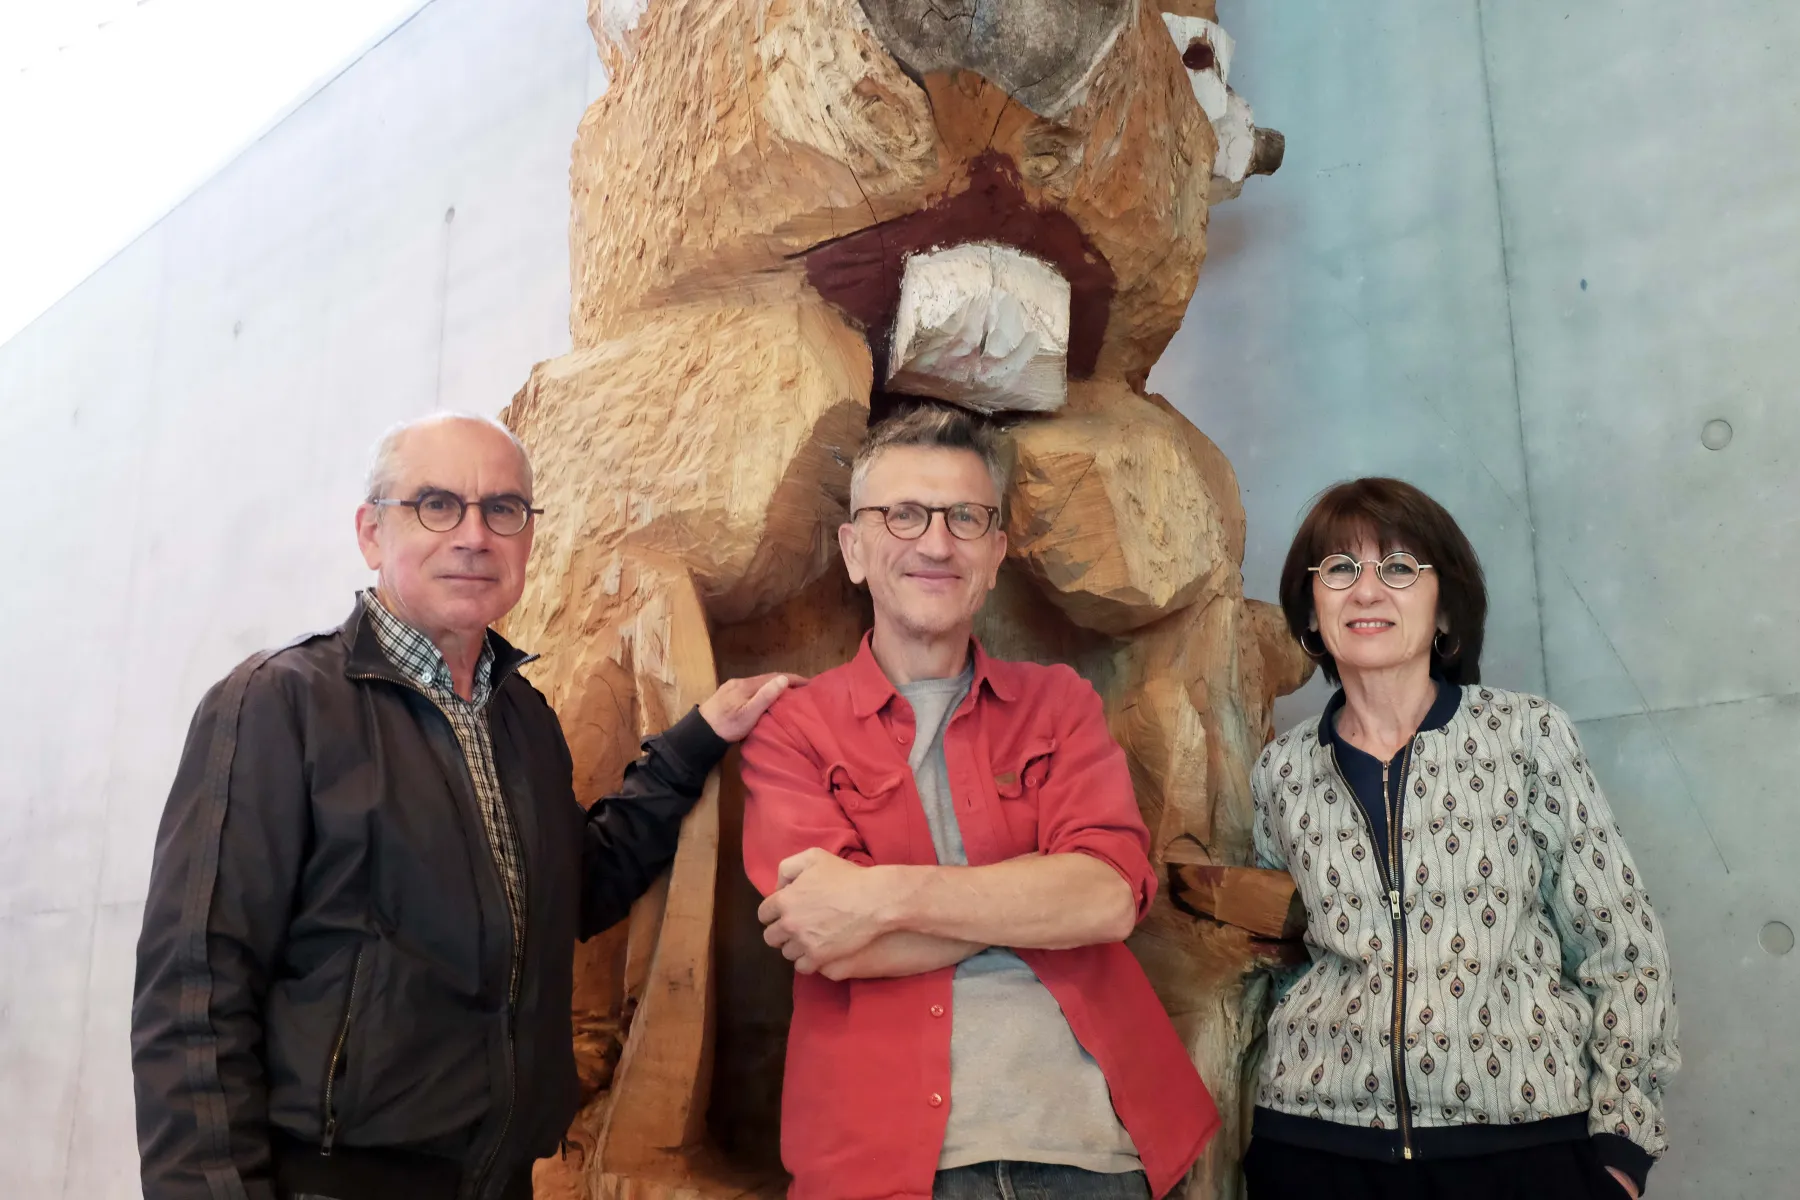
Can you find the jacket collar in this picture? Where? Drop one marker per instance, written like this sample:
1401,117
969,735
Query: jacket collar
368,661
1443,709
871,689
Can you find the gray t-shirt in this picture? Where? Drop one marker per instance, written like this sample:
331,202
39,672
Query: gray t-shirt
1021,1087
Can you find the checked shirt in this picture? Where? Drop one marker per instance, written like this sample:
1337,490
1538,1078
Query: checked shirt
422,664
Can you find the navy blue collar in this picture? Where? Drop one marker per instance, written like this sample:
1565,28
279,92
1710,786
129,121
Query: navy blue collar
1449,699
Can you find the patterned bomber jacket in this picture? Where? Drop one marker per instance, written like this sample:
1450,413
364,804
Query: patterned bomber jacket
1513,881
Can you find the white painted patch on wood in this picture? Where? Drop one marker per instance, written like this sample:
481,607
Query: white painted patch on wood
1209,84
619,20
1237,146
984,326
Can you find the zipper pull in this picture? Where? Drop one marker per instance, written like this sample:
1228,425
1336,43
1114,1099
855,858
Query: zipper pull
1394,902
330,1137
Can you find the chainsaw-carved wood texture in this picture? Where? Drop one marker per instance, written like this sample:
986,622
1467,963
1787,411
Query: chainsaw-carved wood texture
747,197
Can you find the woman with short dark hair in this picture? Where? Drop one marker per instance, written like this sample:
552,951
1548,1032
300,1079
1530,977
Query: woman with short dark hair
1488,1011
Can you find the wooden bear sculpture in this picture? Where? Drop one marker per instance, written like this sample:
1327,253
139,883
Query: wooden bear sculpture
786,214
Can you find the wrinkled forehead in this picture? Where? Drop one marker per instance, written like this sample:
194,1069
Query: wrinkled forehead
466,457
929,475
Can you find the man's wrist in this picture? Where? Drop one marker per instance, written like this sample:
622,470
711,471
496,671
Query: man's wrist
695,743
897,908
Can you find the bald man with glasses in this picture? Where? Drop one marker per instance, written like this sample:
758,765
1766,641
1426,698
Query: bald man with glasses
354,976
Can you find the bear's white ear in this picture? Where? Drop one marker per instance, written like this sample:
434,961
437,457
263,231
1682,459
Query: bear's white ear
614,24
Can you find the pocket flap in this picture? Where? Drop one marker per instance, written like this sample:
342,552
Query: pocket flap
859,787
1033,769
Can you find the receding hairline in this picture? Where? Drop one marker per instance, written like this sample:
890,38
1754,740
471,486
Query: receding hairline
384,460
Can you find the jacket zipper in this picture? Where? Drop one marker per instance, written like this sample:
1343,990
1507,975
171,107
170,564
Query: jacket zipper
1389,874
337,1054
513,961
1402,1099
511,1099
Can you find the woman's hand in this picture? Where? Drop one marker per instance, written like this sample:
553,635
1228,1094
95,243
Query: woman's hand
1624,1182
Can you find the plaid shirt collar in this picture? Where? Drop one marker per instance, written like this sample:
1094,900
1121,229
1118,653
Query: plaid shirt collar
419,660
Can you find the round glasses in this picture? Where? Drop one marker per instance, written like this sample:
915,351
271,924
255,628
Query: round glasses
1398,570
441,511
909,521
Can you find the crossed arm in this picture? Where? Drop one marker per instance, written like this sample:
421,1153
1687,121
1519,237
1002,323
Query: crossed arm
831,910
847,921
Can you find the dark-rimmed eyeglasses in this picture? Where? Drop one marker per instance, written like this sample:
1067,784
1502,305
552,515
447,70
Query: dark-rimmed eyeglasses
909,521
1340,572
441,511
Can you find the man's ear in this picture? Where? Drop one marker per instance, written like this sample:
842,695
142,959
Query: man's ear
851,547
367,527
999,559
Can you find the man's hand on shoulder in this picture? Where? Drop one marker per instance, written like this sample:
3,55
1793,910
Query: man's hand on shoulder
734,709
825,909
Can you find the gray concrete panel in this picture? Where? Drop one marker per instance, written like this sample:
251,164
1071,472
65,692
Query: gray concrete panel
1730,1109
72,425
45,997
1351,318
101,1151
1648,159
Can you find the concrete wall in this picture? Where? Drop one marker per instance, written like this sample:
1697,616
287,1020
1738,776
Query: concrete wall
185,434
1519,254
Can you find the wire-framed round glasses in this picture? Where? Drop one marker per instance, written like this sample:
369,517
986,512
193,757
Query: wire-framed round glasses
441,511
1398,570
909,521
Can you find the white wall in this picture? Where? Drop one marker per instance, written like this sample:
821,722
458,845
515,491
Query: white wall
186,432
186,435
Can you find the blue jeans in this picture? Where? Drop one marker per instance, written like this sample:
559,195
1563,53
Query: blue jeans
1036,1181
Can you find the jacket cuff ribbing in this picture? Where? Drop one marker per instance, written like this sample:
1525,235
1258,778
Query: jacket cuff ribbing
692,741
1626,1155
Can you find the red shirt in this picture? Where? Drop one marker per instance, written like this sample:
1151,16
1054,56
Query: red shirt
1033,769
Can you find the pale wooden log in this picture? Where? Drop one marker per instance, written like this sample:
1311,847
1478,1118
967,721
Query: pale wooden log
1264,902
1164,738
665,1073
640,442
1109,510
984,326
813,632
1207,976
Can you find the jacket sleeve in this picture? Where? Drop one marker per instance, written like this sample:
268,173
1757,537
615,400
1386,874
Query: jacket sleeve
1613,948
630,836
227,864
788,805
1270,852
1087,805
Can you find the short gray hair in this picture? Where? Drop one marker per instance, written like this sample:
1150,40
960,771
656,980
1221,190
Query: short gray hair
933,427
384,462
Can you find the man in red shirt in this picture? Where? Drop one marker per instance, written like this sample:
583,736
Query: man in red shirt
952,858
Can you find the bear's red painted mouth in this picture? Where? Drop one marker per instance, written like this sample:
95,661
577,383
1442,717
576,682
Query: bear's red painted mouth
862,272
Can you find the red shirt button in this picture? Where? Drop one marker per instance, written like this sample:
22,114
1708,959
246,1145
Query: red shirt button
934,1100
937,1010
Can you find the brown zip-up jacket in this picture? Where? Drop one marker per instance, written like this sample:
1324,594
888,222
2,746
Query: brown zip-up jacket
326,939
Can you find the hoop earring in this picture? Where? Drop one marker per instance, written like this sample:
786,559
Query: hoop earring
1443,653
1307,650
